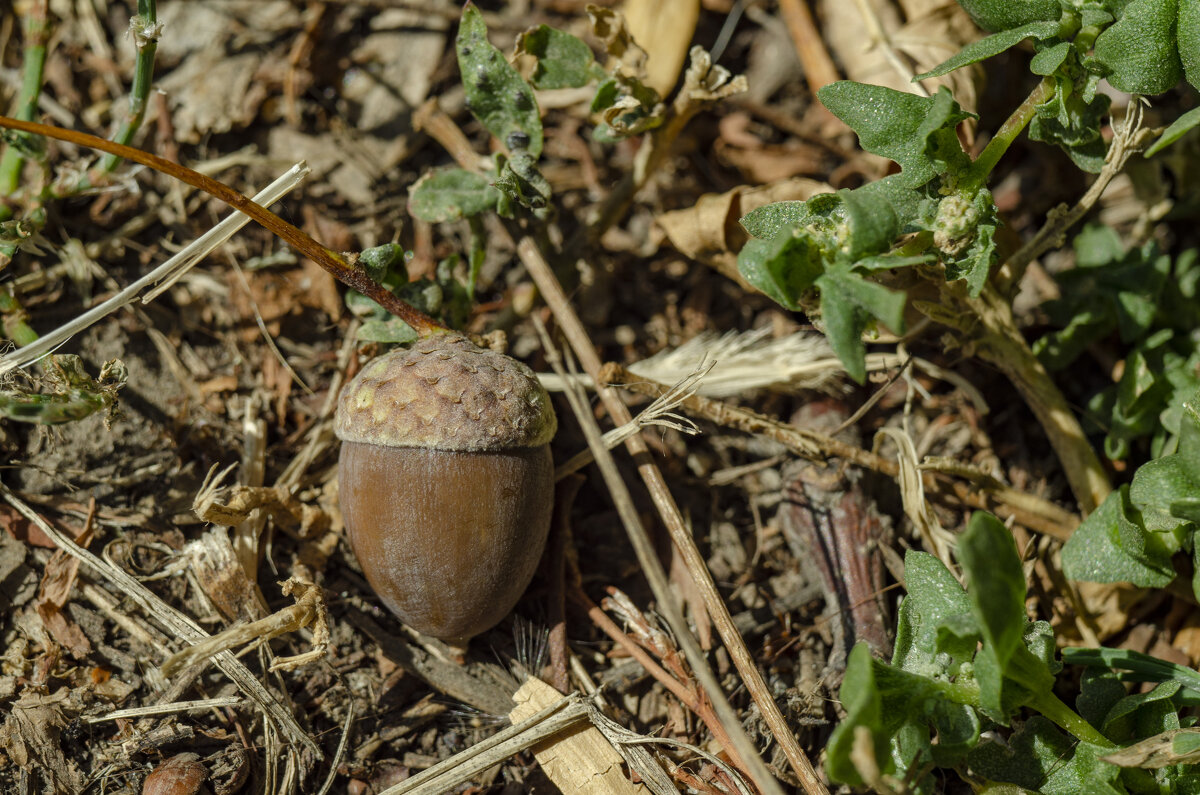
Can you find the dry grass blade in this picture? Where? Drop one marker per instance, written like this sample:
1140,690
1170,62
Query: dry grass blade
276,713
576,334
742,749
657,413
444,776
309,610
164,275
168,709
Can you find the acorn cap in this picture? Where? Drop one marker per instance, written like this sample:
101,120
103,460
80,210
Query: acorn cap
445,393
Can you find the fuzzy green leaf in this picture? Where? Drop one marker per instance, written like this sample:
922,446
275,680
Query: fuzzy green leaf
520,181
995,44
394,330
384,263
769,220
1109,547
451,195
563,60
783,267
873,224
1072,120
996,15
1041,758
1139,49
496,94
916,132
864,707
1187,36
1140,715
848,303
1050,59
995,582
935,618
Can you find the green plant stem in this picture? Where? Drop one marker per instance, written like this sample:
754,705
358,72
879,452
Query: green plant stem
144,27
1003,345
1008,132
1066,718
967,693
36,30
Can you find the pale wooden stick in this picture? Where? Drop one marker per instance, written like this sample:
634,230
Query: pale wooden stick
578,761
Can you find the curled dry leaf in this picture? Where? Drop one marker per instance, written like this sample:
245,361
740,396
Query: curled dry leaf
709,231
920,34
664,29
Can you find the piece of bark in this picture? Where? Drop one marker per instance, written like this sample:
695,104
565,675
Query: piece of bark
829,517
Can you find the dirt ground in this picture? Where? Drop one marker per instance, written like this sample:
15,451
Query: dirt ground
232,370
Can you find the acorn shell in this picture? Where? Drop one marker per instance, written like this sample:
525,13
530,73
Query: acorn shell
448,539
446,482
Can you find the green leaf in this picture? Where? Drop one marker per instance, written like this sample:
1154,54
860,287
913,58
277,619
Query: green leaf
521,181
1109,547
496,94
769,220
995,582
848,302
1140,715
864,708
451,195
783,267
1187,36
976,265
1041,758
1173,478
996,15
995,44
1176,130
392,331
1142,667
1099,691
1139,50
935,618
872,221
1072,120
385,263
906,203
1050,59
563,60
916,132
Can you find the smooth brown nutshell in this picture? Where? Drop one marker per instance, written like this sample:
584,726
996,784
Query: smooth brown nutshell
182,774
446,482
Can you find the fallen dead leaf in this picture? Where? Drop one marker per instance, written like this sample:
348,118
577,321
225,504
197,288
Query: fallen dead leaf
664,30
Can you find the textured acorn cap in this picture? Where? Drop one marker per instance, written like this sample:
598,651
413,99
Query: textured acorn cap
445,393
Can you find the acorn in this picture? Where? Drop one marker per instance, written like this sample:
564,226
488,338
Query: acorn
446,482
182,774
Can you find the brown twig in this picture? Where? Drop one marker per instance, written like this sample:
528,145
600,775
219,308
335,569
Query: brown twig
556,562
331,261
741,748
819,70
577,335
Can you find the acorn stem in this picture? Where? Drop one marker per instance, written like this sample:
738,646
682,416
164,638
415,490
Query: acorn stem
349,275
